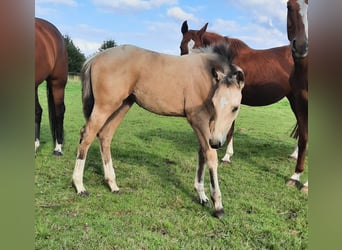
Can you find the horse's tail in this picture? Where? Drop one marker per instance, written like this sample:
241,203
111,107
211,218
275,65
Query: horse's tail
52,110
87,90
295,132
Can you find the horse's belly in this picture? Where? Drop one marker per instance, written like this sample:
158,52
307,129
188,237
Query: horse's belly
262,95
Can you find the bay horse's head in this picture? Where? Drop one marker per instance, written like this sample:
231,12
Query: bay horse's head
225,100
297,27
192,39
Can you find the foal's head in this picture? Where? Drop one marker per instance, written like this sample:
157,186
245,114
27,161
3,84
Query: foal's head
297,27
226,102
192,39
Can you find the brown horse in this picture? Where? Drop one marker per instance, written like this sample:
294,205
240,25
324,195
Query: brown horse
204,87
297,32
51,63
267,71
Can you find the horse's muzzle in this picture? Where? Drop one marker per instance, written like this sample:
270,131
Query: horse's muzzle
300,49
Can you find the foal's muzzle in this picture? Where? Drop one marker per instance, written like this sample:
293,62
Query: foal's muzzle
215,144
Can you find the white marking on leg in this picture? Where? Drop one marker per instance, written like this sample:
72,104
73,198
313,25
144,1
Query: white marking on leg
294,155
110,176
58,147
229,152
199,187
306,184
77,176
36,145
191,44
296,177
214,190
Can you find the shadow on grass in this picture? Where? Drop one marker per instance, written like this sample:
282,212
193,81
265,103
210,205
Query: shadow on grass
246,146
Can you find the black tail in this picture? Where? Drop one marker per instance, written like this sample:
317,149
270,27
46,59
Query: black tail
295,132
87,90
52,110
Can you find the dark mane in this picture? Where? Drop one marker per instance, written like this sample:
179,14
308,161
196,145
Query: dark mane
236,44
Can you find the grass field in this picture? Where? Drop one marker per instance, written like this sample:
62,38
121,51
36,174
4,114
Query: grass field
157,207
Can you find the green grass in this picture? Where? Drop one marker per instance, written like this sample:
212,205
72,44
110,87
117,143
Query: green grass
157,207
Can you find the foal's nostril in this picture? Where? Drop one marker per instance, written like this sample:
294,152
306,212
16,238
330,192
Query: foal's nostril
214,144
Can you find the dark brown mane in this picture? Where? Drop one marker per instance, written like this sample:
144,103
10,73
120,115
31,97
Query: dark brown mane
234,44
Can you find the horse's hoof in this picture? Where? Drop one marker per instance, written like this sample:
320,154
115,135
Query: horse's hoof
57,153
305,189
292,183
204,202
84,194
116,192
219,213
226,162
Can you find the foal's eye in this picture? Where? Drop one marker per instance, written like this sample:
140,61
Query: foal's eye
235,109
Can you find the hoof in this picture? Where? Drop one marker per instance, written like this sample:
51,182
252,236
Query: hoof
292,183
57,153
116,192
293,157
226,162
204,202
219,213
84,194
305,189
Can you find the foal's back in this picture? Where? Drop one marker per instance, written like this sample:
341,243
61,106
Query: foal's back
159,83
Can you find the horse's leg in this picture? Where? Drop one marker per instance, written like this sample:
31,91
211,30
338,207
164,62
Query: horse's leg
302,113
96,121
38,119
210,157
105,137
57,91
230,150
291,99
199,178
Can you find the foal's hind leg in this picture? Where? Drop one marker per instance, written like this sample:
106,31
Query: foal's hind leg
105,137
96,121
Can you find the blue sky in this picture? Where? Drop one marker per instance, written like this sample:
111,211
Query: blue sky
156,24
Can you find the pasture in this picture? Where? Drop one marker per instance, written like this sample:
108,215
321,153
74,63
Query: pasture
157,208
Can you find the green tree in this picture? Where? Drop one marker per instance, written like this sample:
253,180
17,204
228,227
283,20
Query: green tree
75,56
108,44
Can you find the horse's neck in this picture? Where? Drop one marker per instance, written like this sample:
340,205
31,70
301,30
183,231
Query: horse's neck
236,44
210,38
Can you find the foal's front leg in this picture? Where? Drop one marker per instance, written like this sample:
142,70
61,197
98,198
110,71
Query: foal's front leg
215,192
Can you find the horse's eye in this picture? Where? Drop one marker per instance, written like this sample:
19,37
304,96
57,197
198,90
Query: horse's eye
235,109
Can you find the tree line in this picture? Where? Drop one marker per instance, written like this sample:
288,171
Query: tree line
77,58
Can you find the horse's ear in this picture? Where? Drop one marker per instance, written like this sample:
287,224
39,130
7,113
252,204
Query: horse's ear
202,30
185,27
217,74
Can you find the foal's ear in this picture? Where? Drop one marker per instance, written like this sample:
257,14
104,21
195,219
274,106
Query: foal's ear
239,77
217,74
185,27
